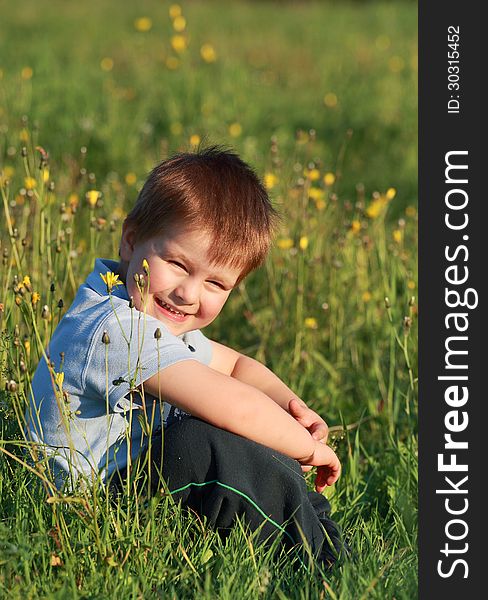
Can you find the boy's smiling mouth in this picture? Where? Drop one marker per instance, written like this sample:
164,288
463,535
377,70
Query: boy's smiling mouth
170,311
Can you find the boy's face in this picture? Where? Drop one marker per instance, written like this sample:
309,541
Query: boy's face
186,291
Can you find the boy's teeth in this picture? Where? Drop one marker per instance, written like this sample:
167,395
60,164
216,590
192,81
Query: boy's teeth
168,307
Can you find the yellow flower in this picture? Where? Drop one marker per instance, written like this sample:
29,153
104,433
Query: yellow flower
27,282
111,280
320,204
107,64
92,196
178,43
356,226
330,100
26,73
207,52
130,178
376,207
8,171
174,11
35,298
45,175
312,174
270,180
195,140
410,211
329,179
145,266
311,323
285,243
235,129
59,379
24,136
179,23
143,24
397,235
303,243
411,285
30,183
315,193
390,193
366,297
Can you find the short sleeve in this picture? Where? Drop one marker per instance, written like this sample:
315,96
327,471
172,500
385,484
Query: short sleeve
133,354
199,345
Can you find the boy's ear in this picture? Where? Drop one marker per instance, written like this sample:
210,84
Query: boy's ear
127,241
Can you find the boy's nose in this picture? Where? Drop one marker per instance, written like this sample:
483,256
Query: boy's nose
188,292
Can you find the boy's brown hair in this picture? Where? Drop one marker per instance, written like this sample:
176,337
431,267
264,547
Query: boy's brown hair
214,190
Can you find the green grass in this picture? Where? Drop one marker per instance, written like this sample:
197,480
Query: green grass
315,314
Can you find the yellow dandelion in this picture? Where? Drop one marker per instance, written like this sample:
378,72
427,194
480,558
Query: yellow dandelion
303,243
145,266
35,298
411,284
174,11
45,175
315,193
92,196
320,204
207,52
24,136
397,235
143,24
30,183
179,24
390,193
26,73
111,280
130,178
176,128
356,226
107,64
311,323
410,211
178,43
330,100
270,180
312,174
8,171
366,297
329,179
26,281
285,243
195,140
235,130
18,299
59,379
27,347
172,63
376,207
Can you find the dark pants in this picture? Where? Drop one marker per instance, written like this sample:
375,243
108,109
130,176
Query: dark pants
221,475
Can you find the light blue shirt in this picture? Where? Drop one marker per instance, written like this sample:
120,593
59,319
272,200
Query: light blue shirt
84,429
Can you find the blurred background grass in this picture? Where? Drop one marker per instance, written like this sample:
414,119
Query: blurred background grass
88,76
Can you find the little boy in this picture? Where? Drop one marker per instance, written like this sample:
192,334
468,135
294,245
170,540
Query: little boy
236,438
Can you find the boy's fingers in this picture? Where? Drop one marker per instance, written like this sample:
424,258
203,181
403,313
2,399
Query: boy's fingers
306,468
320,431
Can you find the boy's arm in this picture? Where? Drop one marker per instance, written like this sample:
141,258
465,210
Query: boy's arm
240,408
252,372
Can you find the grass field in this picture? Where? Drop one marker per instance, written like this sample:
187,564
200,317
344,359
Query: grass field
320,97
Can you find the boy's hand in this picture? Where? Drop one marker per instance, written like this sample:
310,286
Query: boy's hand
327,463
309,419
